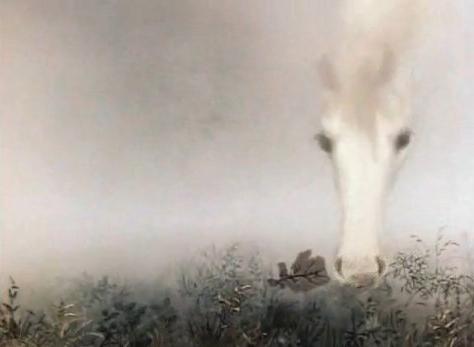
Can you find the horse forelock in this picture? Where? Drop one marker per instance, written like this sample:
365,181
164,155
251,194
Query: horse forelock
366,60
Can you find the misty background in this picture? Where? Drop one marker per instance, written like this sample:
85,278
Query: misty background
134,133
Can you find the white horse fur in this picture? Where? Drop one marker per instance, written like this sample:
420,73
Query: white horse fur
365,123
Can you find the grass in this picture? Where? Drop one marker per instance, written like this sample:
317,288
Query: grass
229,297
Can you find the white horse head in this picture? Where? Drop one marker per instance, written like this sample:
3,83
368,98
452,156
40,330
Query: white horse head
366,133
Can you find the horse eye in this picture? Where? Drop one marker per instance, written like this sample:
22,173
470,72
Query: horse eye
324,142
402,140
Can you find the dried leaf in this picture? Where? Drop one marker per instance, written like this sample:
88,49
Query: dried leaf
306,273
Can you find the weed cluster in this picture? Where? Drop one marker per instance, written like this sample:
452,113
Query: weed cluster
229,298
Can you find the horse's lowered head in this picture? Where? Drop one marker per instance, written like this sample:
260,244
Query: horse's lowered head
365,132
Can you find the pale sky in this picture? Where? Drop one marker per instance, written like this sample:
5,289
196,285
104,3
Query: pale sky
132,132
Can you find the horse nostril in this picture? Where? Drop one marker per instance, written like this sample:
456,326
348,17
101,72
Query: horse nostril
338,266
360,276
363,280
380,265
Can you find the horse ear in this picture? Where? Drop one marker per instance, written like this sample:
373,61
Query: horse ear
327,74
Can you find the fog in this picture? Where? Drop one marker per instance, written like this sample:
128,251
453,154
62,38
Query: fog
134,133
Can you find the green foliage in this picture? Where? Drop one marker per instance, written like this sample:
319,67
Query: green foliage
229,298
